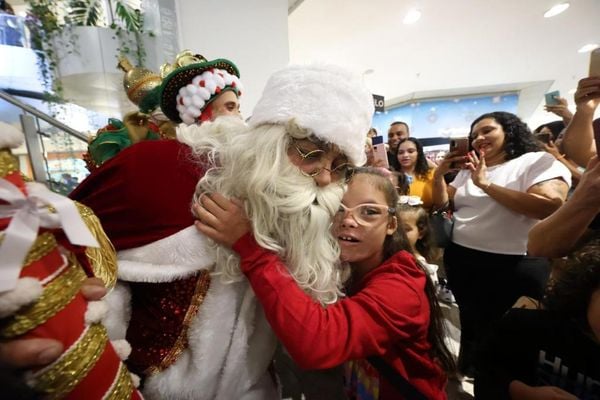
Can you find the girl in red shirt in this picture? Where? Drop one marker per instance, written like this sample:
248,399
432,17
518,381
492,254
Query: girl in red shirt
390,311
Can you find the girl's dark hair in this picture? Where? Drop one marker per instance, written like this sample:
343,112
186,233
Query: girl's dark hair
402,187
556,127
422,167
396,242
425,245
569,292
518,139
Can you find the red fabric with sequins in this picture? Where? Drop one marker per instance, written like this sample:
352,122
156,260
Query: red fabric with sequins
157,314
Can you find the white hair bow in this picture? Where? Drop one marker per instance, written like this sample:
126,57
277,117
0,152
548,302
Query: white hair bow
410,200
28,213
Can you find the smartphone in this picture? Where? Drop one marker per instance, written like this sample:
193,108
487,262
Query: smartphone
552,98
543,137
595,62
379,152
596,125
461,147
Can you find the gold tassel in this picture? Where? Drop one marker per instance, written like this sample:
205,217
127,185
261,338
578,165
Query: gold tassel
104,258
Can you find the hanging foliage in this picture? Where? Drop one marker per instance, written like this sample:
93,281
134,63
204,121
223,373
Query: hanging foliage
86,13
51,22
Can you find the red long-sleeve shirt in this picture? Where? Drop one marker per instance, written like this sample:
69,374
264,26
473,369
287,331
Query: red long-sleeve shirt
388,317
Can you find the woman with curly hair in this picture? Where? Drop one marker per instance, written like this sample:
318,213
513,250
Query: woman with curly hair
552,352
504,188
413,163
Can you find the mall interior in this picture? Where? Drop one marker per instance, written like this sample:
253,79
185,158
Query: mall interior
66,72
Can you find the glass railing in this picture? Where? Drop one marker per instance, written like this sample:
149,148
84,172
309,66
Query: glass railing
53,152
13,31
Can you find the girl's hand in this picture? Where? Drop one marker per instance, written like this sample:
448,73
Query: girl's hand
221,219
478,169
446,166
553,149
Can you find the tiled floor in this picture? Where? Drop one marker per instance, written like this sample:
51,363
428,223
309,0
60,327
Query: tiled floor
457,390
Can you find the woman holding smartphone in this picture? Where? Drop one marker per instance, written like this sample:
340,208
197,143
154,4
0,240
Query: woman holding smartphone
506,186
414,165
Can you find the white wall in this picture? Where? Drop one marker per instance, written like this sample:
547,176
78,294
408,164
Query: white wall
252,34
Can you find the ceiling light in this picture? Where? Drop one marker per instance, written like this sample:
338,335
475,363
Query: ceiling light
555,10
368,71
413,16
588,47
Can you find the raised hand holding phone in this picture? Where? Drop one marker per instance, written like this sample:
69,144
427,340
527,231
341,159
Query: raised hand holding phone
379,152
552,98
595,63
460,147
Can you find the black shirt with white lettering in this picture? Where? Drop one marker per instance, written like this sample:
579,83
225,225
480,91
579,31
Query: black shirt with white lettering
540,349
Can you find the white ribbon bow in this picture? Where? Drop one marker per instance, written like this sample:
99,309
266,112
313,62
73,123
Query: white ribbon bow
410,200
28,213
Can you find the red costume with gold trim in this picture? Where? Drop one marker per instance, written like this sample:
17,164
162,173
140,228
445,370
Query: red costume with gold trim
52,273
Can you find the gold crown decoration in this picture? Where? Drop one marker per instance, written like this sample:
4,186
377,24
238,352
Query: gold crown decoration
138,81
186,57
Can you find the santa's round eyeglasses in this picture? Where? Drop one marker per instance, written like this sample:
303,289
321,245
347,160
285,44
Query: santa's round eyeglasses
312,164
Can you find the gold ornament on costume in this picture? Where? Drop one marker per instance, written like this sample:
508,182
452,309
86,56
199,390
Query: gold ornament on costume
186,57
137,81
8,163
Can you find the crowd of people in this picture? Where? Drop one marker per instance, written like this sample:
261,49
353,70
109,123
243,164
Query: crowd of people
237,238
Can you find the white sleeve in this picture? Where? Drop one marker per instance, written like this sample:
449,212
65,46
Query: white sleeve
461,178
545,167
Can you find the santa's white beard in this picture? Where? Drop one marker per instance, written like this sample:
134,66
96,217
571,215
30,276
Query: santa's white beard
290,214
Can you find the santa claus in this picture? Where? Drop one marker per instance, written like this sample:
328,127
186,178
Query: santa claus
194,324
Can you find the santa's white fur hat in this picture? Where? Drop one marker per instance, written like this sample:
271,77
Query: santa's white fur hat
328,100
10,137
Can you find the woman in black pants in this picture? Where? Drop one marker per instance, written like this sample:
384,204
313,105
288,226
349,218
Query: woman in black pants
504,186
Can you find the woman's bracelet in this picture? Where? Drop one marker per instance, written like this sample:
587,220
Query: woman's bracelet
487,186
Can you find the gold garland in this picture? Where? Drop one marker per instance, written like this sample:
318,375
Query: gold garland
182,343
8,163
56,295
123,386
63,376
42,246
104,258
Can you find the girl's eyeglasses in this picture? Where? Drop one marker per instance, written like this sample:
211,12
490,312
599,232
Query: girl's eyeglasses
365,214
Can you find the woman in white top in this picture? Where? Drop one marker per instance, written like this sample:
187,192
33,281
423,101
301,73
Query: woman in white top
505,186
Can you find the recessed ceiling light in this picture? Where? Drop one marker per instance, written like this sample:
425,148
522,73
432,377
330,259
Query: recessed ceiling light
588,47
555,10
413,16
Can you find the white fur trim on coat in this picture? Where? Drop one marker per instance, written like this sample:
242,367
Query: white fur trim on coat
10,137
230,348
26,292
332,102
96,311
178,256
122,348
117,318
